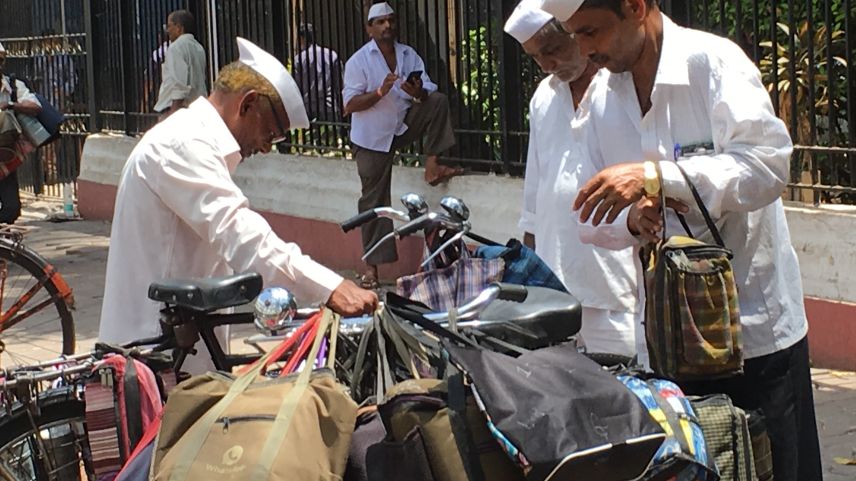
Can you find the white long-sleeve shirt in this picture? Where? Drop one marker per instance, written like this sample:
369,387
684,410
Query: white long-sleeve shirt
183,73
707,91
604,281
180,215
365,71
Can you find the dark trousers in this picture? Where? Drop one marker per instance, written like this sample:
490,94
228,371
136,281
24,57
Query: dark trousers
432,120
10,200
778,384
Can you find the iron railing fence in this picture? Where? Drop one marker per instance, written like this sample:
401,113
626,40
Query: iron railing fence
804,49
46,46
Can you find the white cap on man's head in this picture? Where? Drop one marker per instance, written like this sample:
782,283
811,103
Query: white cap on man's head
526,19
561,9
379,10
274,71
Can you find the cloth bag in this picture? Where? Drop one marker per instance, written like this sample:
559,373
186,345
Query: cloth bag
218,427
692,317
726,432
444,288
563,415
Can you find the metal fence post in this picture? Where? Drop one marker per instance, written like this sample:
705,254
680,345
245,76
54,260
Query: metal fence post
509,81
92,106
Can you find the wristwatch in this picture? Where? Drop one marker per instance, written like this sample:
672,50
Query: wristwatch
651,183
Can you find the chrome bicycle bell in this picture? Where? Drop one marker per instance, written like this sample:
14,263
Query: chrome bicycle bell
455,207
274,309
415,204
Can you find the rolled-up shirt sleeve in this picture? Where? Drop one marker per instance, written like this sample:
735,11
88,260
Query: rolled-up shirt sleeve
753,148
191,181
356,82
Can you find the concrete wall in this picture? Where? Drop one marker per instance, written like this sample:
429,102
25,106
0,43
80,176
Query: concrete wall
304,198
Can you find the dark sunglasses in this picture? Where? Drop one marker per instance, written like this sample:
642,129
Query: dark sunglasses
279,123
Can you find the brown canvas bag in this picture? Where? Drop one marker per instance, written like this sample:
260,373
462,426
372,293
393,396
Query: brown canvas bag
220,427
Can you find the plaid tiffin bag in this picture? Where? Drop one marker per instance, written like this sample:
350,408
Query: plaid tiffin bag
448,287
692,315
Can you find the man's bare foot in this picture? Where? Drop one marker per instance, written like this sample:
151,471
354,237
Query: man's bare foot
436,173
369,279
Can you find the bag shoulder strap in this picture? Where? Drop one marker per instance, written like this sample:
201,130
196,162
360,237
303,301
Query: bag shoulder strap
700,203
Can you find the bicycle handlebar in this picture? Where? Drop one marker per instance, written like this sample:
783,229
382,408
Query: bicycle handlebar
371,215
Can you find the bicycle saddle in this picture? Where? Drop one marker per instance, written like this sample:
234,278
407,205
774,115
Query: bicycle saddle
547,316
207,294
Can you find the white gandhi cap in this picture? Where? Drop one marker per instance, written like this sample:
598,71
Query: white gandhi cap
526,20
561,9
274,71
379,10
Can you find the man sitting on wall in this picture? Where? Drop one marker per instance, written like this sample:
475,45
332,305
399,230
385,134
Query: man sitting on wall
393,102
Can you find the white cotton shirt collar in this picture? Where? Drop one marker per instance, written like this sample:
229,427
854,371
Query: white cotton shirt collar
379,10
561,9
526,20
274,71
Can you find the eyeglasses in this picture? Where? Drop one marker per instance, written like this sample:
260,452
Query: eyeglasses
282,132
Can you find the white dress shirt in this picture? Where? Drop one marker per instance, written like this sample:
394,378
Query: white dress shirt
365,71
183,74
604,281
180,215
707,91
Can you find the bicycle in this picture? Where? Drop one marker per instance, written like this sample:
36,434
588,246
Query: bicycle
31,290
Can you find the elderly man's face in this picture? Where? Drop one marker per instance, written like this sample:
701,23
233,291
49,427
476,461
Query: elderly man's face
610,40
264,124
383,28
557,53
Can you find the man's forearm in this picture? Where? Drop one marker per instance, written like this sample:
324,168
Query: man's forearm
362,102
27,107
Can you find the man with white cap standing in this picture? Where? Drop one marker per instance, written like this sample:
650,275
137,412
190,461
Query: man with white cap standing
392,103
607,291
179,214
674,91
14,99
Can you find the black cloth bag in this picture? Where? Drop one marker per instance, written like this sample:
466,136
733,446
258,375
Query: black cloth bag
569,417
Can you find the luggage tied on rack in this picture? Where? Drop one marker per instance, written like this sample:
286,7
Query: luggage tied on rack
217,426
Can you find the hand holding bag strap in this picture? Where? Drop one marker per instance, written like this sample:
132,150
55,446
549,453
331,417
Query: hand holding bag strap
707,219
198,432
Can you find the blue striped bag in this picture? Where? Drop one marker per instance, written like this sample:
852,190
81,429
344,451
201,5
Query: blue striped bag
683,456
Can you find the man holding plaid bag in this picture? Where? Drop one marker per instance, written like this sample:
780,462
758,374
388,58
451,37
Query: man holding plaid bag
681,97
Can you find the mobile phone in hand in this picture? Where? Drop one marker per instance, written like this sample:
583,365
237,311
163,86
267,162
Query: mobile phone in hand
416,74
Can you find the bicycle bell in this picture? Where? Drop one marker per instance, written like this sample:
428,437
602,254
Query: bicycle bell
415,204
455,207
274,309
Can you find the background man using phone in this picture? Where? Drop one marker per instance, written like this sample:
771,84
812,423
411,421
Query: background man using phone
393,103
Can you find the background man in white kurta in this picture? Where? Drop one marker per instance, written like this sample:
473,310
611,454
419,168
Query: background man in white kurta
179,214
184,67
672,90
604,281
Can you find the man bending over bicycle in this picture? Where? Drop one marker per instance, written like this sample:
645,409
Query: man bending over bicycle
179,214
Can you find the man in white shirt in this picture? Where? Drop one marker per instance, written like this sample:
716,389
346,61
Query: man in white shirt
671,91
184,68
179,214
603,280
318,73
392,103
15,99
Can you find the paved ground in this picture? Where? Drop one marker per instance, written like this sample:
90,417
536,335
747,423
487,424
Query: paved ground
78,249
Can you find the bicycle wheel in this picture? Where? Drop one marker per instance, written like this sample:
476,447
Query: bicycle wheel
35,306
56,450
